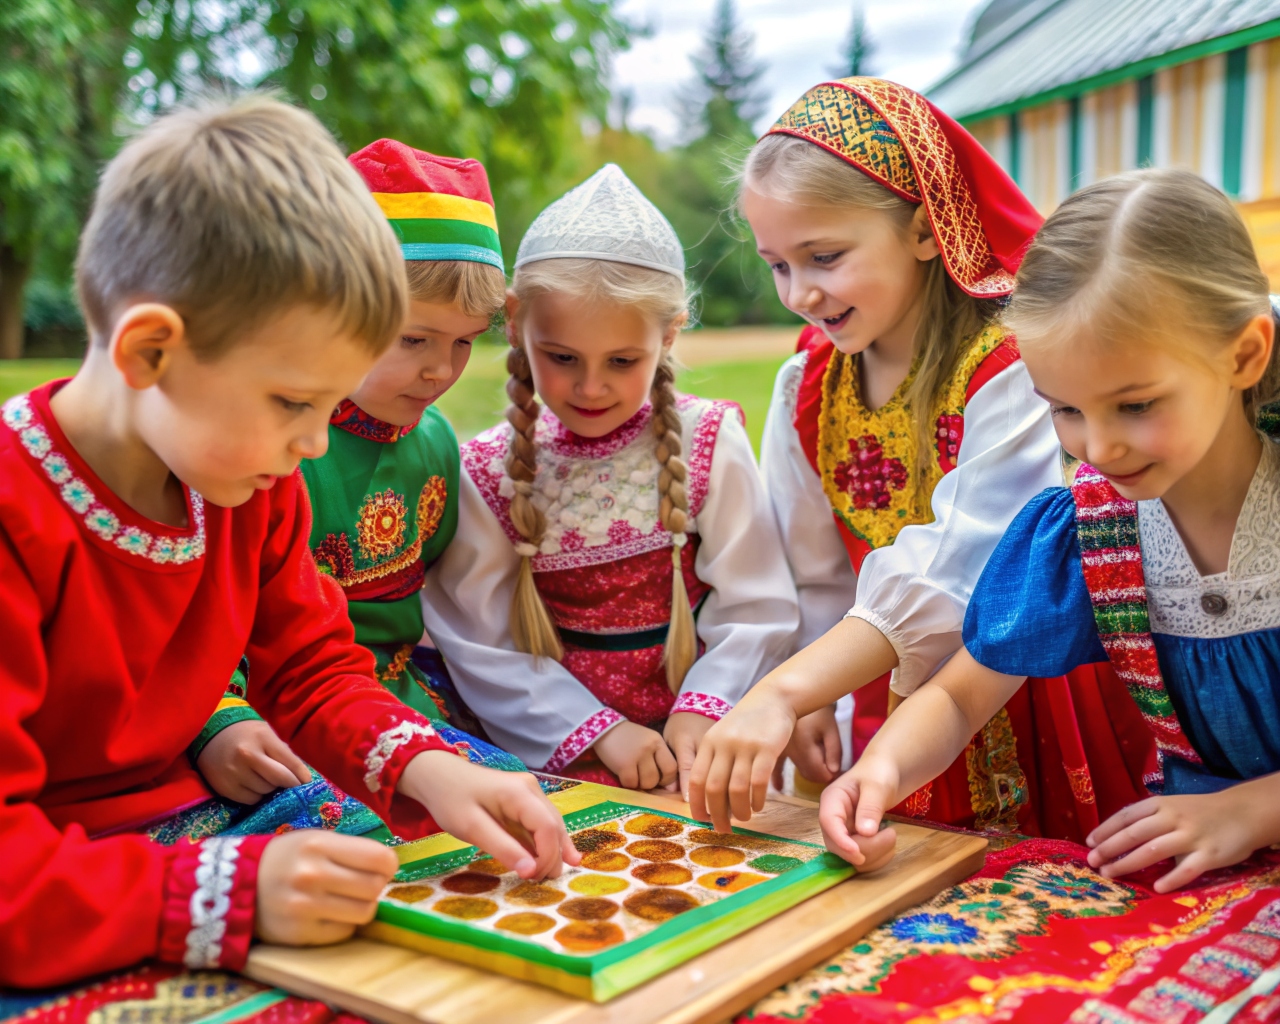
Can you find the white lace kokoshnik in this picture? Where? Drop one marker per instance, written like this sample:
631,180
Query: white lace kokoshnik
18,415
1249,589
605,218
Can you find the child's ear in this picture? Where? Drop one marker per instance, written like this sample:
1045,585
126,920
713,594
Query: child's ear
1252,350
673,330
144,341
924,246
513,308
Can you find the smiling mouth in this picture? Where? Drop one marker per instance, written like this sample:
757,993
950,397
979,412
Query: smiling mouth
591,413
838,321
1127,478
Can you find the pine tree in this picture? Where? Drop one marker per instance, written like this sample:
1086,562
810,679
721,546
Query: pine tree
859,48
725,97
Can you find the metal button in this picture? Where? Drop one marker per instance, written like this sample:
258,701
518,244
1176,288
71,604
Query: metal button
1213,604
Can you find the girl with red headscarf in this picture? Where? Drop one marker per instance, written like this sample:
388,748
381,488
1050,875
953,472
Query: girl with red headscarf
902,438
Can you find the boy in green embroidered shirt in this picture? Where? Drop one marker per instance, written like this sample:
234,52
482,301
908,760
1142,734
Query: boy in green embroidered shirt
385,495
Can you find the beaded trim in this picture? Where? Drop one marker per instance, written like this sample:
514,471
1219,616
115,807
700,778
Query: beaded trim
581,738
386,745
702,704
210,903
19,417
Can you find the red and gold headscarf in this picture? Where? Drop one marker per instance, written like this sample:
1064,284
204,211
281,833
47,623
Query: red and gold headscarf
982,222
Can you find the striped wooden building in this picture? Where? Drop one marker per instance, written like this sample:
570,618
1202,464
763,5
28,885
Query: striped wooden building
1064,92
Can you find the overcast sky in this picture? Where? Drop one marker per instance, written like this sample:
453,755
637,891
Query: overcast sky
800,40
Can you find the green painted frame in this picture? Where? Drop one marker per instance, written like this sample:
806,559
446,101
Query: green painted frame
615,970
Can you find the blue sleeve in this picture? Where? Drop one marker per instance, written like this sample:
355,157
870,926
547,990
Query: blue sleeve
1030,614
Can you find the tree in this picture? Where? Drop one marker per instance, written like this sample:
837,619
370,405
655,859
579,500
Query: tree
506,82
721,106
859,48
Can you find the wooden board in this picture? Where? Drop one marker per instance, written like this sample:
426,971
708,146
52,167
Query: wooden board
400,986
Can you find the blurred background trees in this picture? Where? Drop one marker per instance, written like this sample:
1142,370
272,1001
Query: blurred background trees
522,86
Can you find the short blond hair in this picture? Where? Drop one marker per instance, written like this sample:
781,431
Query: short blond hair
232,211
478,289
1127,256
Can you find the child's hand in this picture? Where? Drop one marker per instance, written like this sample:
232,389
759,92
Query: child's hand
503,813
859,798
683,732
815,746
638,755
1199,832
735,759
247,760
315,886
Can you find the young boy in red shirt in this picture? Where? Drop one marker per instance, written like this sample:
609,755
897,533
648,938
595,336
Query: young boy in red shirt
238,281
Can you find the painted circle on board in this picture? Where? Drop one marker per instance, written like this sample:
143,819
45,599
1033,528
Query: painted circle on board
468,908
597,885
589,936
409,893
662,874
606,860
656,849
710,838
488,866
470,883
525,924
729,881
717,856
775,863
534,894
595,840
659,904
654,826
588,908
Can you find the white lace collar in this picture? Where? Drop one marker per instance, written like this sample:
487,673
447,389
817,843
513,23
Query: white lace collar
1245,598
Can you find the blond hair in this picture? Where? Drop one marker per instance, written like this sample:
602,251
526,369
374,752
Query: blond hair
662,298
232,212
478,289
1128,254
796,171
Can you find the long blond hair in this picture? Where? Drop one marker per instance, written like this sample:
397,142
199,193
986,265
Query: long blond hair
797,171
1127,254
663,298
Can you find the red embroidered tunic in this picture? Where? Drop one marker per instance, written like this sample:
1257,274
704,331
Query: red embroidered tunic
120,634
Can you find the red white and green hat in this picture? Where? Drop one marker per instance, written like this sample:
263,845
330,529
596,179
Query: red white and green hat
439,207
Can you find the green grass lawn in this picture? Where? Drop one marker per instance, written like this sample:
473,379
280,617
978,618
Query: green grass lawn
479,398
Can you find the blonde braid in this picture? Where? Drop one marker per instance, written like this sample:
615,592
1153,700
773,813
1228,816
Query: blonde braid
531,625
681,647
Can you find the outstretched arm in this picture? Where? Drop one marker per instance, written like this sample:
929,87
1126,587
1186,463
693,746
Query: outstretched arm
916,744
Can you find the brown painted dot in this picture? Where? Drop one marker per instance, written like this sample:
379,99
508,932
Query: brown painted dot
525,924
729,881
532,894
598,885
409,893
605,860
594,840
655,849
659,904
705,835
588,908
469,908
489,866
654,826
588,936
662,874
717,856
470,883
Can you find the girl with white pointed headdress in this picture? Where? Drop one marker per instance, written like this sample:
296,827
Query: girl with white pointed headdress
617,581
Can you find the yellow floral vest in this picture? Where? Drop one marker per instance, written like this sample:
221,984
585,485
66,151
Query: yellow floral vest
865,458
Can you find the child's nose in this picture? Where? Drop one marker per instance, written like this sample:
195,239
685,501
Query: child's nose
312,444
802,297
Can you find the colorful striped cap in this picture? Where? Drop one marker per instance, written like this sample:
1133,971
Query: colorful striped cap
440,207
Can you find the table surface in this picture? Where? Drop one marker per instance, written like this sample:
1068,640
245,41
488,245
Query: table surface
401,986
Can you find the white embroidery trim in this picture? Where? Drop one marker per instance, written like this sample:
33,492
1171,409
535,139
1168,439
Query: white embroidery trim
1251,584
98,519
386,746
210,903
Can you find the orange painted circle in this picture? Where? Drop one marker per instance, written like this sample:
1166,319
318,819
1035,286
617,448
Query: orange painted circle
662,874
717,856
525,924
729,881
659,904
656,849
589,936
654,826
468,908
606,860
